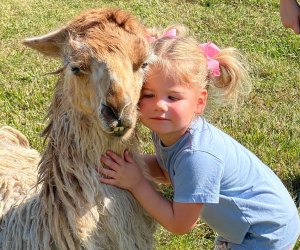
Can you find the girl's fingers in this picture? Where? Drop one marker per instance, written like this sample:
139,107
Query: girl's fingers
128,157
108,181
110,163
108,172
115,158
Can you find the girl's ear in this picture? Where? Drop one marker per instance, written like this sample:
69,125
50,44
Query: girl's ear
201,102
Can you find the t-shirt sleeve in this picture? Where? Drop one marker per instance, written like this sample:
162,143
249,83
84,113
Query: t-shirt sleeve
197,178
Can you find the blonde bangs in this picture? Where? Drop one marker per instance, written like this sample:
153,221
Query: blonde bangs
182,60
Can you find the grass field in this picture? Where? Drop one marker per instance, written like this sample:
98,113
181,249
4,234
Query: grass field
268,123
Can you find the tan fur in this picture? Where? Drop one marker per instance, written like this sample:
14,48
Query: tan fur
102,51
18,170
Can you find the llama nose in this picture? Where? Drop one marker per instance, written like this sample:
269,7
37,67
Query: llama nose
110,114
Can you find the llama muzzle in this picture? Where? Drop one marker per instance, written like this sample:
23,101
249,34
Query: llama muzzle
116,122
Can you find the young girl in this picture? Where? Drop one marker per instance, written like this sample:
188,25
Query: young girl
213,176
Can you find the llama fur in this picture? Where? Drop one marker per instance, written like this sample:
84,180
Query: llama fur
94,108
18,168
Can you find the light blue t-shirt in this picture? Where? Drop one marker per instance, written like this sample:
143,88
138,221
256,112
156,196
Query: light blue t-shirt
244,201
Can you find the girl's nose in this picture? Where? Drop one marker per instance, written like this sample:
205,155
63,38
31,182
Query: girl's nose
161,105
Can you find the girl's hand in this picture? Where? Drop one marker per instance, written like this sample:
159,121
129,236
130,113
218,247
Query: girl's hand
122,173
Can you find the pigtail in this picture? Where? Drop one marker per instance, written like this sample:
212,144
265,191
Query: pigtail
233,83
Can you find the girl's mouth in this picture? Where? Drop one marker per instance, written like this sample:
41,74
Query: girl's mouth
159,118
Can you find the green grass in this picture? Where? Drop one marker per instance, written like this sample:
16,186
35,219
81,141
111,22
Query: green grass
267,123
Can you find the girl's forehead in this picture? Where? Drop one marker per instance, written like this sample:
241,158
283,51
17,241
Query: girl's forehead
164,85
159,73
160,78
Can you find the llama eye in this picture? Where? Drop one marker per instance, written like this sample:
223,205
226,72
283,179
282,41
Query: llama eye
75,70
144,65
136,67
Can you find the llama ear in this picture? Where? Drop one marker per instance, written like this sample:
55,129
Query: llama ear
49,44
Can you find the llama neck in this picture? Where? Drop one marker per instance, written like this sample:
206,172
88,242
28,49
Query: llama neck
67,171
72,155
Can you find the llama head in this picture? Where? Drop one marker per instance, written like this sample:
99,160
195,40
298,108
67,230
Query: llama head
105,54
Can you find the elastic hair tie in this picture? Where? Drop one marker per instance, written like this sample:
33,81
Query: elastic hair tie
210,50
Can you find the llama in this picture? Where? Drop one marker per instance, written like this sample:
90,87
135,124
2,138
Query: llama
94,108
23,161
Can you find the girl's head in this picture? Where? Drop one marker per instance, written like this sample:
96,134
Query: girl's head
187,62
176,86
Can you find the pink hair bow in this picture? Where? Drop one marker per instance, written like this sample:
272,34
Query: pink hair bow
169,33
210,50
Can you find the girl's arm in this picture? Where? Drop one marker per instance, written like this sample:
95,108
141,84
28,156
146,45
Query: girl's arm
178,218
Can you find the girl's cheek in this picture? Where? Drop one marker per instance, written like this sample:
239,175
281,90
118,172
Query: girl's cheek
143,110
142,104
143,119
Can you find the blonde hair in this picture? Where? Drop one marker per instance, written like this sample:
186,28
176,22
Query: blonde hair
183,60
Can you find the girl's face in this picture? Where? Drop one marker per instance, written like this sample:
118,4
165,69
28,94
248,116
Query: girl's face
167,108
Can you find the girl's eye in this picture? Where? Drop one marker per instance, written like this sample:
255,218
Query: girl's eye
147,95
173,98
